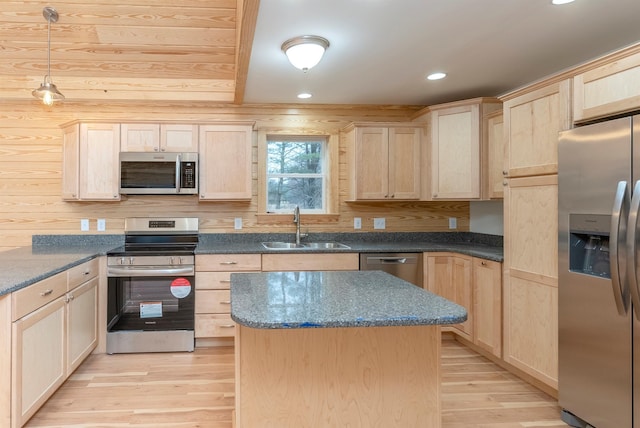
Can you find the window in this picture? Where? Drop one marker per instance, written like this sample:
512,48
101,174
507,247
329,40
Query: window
296,173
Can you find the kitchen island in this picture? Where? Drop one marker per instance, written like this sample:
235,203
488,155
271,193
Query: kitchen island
356,348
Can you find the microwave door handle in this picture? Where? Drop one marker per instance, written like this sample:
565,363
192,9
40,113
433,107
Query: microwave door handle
178,164
617,219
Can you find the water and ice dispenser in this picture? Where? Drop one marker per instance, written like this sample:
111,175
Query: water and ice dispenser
589,244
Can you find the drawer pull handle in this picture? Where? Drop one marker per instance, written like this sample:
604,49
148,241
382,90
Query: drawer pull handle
86,273
227,326
228,263
46,292
225,280
225,302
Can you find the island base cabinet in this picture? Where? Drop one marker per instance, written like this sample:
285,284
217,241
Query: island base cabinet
38,369
338,377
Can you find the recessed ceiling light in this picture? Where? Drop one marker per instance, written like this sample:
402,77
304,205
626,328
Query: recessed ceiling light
304,96
561,1
436,76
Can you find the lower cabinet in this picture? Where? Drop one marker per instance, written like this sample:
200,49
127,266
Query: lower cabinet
449,275
213,303
54,329
475,284
310,262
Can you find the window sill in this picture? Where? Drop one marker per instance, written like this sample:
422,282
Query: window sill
306,219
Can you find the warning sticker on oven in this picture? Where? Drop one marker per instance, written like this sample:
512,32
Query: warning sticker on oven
180,288
150,309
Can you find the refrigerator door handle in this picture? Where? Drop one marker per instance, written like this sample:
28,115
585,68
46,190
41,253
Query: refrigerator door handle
632,269
617,218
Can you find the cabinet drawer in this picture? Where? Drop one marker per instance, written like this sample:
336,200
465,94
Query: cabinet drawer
228,262
214,325
213,302
36,295
82,273
213,280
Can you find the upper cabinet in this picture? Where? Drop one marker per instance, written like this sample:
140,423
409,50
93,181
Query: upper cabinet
90,170
531,125
456,137
493,156
610,88
153,137
226,162
384,160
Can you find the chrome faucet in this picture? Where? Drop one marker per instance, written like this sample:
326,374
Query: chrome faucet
296,220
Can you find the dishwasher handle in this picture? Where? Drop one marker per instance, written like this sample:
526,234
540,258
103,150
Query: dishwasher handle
390,260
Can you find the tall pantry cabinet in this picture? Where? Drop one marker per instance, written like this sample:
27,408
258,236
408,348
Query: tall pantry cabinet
532,119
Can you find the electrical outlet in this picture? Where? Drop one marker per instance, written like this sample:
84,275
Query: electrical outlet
453,223
357,223
379,223
84,224
102,225
237,223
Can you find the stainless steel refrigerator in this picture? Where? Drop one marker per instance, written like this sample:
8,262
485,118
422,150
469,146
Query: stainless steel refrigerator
598,297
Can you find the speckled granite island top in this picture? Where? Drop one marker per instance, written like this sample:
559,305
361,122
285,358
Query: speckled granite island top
278,300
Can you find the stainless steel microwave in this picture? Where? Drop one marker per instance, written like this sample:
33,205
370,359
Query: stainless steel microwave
158,173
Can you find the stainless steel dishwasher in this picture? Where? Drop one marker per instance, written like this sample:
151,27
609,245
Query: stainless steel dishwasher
407,266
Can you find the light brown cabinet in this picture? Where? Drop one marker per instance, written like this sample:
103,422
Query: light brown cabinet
612,87
154,137
384,161
91,168
456,135
532,121
54,328
310,262
531,276
213,303
225,162
449,275
487,305
493,156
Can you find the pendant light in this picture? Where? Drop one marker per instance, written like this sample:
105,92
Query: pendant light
305,52
47,92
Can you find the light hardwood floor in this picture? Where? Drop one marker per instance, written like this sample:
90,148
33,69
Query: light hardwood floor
195,390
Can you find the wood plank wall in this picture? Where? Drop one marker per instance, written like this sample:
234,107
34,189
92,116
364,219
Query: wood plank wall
31,159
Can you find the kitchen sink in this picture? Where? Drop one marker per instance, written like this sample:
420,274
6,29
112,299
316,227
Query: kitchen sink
307,246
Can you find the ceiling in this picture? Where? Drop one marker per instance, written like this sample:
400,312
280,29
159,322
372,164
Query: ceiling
228,51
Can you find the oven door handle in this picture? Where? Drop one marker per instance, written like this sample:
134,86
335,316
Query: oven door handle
115,271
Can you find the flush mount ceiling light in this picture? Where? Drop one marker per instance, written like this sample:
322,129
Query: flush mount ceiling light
562,1
47,92
436,76
304,52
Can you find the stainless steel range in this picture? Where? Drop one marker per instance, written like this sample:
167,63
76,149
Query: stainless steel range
151,283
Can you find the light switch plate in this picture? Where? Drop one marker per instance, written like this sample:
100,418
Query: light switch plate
102,225
379,223
84,224
237,223
453,223
357,223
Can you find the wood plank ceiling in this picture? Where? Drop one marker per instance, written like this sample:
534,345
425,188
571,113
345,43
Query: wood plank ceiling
104,50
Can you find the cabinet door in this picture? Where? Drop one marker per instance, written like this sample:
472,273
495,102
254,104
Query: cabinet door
225,162
439,274
487,309
38,359
455,150
494,171
531,276
462,284
140,137
82,323
179,138
99,161
531,125
372,163
404,163
612,88
71,163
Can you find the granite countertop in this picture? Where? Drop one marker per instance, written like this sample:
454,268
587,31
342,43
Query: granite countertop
272,300
51,254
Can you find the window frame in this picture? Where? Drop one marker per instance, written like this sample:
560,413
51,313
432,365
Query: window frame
330,164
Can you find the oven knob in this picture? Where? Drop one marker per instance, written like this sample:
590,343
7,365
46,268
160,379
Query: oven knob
131,260
121,261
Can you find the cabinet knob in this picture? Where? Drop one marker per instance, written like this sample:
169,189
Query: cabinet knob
505,173
504,183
